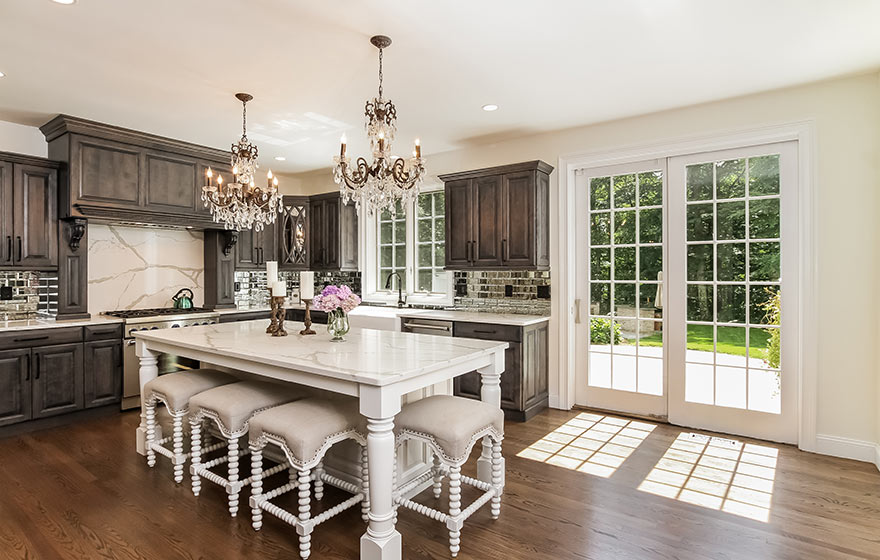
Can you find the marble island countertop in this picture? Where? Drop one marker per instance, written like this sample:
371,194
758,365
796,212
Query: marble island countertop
379,311
511,319
50,323
374,357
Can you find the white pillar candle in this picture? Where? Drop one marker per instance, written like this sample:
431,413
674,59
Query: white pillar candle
271,273
306,285
279,289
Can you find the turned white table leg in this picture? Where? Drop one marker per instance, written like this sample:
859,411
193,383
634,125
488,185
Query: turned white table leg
381,541
490,392
149,370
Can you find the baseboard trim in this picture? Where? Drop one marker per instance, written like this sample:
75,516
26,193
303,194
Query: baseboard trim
848,448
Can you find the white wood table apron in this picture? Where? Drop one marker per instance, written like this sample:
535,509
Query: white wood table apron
377,367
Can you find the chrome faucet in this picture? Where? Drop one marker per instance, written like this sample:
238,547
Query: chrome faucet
401,301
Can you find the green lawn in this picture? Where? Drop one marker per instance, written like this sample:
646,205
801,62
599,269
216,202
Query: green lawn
731,340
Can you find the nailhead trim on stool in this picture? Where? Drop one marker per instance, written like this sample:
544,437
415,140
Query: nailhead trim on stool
231,407
451,426
175,390
304,430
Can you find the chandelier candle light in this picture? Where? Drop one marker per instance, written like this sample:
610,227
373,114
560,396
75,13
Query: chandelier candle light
241,204
388,179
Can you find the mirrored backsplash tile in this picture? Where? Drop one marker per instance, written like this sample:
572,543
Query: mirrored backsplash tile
251,291
34,294
507,291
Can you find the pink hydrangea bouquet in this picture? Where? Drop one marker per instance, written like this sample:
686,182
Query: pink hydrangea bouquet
333,298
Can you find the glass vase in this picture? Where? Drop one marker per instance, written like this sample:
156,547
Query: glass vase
337,325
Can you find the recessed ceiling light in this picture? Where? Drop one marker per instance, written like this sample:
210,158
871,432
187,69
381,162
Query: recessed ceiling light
66,2
280,158
490,107
2,74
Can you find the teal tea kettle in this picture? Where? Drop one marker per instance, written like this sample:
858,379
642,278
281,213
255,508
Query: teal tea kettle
182,300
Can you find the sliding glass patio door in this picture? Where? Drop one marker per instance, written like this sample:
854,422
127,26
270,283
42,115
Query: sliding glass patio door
733,280
687,290
620,324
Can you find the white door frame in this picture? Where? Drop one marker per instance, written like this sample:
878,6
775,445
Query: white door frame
565,277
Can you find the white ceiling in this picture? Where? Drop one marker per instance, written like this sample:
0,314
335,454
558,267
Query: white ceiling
171,67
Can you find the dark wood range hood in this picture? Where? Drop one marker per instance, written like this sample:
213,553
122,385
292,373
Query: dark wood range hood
120,175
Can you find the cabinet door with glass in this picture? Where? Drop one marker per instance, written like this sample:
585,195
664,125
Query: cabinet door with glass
293,234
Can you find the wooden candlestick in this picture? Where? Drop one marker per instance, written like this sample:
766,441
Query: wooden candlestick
278,316
308,319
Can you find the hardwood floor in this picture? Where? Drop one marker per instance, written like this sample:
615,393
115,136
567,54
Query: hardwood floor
81,492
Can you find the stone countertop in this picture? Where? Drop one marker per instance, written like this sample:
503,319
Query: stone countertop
368,356
511,319
46,323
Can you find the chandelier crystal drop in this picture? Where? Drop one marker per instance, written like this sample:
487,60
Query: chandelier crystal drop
241,204
388,179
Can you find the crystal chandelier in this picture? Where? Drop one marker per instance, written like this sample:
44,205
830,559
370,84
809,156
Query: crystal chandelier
388,179
241,204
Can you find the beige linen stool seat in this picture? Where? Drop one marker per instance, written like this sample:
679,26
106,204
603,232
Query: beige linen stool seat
305,430
231,407
451,426
175,391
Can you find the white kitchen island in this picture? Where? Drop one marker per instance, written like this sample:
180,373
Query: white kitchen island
377,367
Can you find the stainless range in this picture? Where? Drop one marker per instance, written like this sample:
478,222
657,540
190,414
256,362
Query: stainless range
148,320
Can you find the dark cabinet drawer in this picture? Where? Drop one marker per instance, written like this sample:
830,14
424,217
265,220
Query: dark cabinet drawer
487,331
40,337
103,332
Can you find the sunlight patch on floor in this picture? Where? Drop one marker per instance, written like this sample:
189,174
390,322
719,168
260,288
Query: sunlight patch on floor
590,443
716,473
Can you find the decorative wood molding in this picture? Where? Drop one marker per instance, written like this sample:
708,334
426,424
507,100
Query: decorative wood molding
536,165
76,229
63,124
231,240
142,216
29,160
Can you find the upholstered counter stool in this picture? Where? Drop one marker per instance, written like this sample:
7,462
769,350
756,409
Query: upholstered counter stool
305,430
451,426
175,390
231,407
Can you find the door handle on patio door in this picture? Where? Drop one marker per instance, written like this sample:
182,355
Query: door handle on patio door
577,311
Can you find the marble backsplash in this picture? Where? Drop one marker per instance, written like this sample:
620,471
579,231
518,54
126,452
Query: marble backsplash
140,267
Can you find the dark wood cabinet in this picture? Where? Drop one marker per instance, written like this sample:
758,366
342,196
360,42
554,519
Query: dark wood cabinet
525,381
459,234
498,218
254,248
115,173
15,386
220,259
334,233
102,372
57,373
47,372
29,212
486,216
35,195
294,236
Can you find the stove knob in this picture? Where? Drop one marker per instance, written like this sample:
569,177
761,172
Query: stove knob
154,328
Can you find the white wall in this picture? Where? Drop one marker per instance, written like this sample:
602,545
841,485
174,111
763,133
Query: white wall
22,139
846,113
